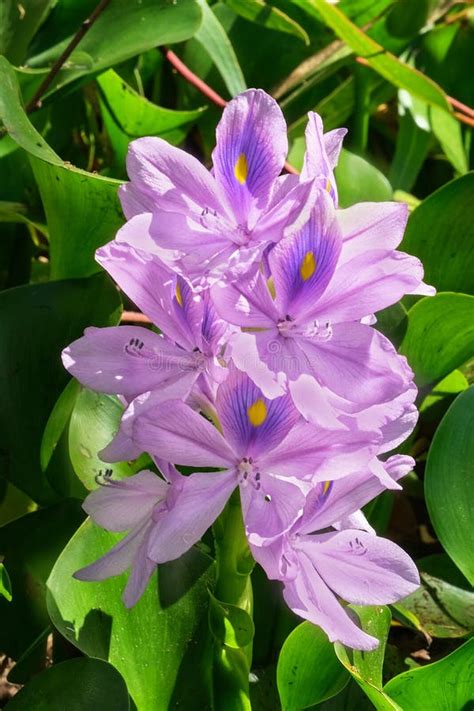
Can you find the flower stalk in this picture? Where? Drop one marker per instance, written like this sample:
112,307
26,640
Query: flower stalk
234,587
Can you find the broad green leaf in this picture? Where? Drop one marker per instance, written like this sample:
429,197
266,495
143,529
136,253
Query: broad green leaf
214,40
57,422
439,232
135,25
308,670
357,180
449,482
137,116
83,213
161,646
36,323
95,419
442,686
75,685
15,120
366,667
383,62
5,584
439,336
230,625
444,604
18,24
262,13
30,546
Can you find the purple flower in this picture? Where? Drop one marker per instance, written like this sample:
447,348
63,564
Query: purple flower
131,360
304,316
322,154
213,225
265,448
318,566
173,514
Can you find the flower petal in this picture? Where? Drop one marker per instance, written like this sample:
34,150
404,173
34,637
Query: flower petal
117,559
329,502
174,432
169,177
362,568
357,363
310,598
126,360
121,505
272,509
322,153
371,225
150,285
252,423
195,507
302,265
250,151
140,574
368,283
246,302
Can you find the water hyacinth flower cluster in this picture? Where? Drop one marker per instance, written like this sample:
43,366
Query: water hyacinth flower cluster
267,367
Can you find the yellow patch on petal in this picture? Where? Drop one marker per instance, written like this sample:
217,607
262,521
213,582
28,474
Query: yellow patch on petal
271,287
326,487
328,185
241,169
179,296
308,266
257,413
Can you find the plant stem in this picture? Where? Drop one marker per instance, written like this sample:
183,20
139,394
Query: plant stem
35,101
234,587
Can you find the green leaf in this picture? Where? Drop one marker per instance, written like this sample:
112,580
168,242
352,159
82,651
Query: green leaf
36,323
439,232
447,130
366,667
308,670
357,180
439,336
214,40
57,422
30,546
5,584
411,150
94,421
444,604
15,120
446,684
260,12
383,62
137,116
75,685
18,24
136,25
83,213
449,482
230,625
162,645
440,398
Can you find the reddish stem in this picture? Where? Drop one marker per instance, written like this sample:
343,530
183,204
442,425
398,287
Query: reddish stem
204,88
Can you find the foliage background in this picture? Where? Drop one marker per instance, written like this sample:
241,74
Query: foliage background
398,73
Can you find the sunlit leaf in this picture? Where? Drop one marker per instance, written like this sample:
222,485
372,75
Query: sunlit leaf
443,685
449,482
308,669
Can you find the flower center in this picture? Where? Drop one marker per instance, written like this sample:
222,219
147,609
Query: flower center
248,473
